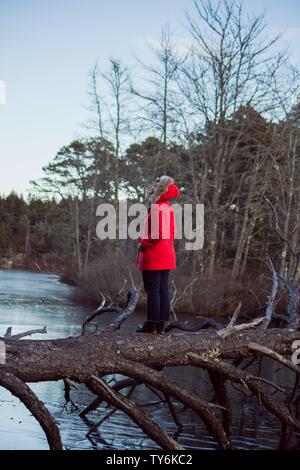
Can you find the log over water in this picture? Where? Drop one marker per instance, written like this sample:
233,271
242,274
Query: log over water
142,358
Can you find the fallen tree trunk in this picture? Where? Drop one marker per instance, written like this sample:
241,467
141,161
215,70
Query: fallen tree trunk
80,357
142,358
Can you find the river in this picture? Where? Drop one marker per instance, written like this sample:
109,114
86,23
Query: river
33,300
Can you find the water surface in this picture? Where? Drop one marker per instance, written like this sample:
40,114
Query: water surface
33,300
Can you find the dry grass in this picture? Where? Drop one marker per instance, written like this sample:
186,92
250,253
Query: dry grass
111,273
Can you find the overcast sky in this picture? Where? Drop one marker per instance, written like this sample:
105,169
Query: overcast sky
47,48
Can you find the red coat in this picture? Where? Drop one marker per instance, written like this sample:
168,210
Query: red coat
157,248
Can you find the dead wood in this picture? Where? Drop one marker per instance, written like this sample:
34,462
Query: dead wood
141,359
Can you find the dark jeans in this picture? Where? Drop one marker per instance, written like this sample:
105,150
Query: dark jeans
156,285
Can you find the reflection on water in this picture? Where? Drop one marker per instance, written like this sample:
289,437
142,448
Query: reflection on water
32,300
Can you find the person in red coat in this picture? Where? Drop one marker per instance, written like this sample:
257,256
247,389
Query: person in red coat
156,254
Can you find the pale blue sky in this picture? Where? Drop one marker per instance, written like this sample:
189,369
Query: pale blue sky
47,48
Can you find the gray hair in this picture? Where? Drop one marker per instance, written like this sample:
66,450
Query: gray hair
159,187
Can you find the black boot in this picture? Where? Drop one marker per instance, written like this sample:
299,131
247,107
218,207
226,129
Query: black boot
148,327
160,327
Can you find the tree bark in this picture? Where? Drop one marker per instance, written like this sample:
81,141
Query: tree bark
80,357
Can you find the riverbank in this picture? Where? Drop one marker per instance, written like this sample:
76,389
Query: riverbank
215,298
39,264
110,275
